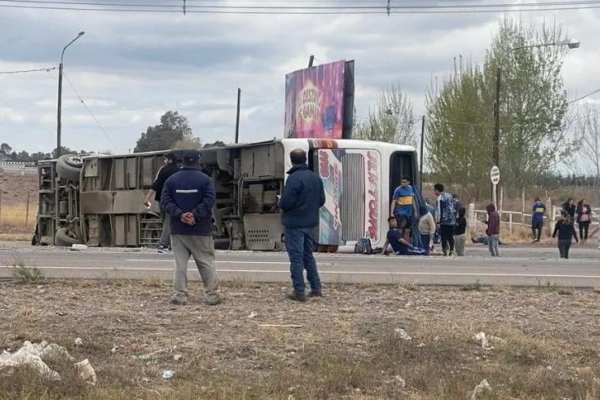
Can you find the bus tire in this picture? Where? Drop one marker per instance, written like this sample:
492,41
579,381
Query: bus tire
63,238
68,168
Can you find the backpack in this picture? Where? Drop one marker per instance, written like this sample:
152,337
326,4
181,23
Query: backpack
363,246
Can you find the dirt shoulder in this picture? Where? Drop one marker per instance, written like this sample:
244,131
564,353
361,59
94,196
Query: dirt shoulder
347,345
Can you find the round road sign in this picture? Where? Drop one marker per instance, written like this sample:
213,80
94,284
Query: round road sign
495,175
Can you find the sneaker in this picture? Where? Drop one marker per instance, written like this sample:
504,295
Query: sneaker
296,297
213,301
316,293
451,254
162,249
178,301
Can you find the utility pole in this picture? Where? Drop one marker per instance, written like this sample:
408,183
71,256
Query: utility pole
310,61
237,116
421,154
59,111
496,139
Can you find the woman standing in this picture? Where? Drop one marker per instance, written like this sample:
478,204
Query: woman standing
569,207
565,229
584,214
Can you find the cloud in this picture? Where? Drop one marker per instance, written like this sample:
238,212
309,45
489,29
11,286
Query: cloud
131,68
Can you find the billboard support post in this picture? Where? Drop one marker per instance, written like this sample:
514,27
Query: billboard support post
311,60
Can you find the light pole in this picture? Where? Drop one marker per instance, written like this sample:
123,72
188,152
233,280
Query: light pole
58,112
572,44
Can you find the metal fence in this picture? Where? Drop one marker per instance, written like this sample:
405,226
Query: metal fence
17,164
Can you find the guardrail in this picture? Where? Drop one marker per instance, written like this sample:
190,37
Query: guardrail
520,219
18,164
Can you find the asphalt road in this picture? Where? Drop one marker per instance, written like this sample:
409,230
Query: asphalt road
517,266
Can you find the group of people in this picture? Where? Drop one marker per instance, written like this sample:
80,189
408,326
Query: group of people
447,219
186,196
571,213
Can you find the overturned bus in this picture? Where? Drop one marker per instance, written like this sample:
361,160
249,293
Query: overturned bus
99,200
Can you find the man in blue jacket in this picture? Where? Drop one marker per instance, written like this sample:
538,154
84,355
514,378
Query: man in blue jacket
188,197
302,197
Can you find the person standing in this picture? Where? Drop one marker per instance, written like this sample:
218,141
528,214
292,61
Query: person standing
584,216
493,229
403,202
570,208
168,169
566,231
303,195
427,227
188,197
460,232
537,219
446,218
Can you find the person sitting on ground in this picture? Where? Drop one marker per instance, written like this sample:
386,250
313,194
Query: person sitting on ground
482,239
396,239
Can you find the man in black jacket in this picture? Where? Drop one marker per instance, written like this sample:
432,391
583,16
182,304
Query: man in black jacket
302,197
168,169
188,196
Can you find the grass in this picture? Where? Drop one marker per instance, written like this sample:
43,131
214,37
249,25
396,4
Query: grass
25,274
16,216
477,286
353,354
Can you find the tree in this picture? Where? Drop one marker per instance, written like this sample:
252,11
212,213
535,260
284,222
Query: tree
172,128
392,121
5,149
533,106
189,142
589,128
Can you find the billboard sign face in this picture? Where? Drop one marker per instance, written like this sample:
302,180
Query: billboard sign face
314,102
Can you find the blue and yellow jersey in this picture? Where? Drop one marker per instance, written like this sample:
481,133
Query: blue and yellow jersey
538,211
403,200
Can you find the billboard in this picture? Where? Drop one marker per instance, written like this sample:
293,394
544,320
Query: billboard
319,101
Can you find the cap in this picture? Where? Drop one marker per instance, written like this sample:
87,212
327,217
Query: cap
190,156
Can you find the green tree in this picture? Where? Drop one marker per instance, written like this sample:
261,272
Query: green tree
5,149
392,121
533,106
172,128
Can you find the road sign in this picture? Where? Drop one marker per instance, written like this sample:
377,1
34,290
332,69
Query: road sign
495,175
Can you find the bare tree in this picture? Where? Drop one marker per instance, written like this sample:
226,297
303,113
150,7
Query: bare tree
392,121
588,125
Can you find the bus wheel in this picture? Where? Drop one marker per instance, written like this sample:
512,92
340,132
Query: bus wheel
68,168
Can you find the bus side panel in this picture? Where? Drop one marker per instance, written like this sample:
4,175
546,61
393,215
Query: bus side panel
373,199
329,166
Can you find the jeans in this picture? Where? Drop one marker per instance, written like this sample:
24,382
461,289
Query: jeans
201,248
447,234
584,227
563,247
165,234
425,241
299,245
459,244
493,245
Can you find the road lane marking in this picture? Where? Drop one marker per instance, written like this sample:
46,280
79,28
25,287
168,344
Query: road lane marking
267,271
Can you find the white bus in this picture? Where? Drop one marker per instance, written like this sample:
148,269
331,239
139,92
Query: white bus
101,204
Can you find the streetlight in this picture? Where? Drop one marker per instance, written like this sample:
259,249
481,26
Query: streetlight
570,43
60,74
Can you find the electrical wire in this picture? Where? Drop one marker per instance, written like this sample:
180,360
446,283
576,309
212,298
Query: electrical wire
90,111
270,8
28,70
583,97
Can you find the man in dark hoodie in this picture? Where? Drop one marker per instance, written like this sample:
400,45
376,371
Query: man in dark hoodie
188,197
302,197
493,229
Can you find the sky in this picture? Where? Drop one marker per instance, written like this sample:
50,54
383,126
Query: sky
131,67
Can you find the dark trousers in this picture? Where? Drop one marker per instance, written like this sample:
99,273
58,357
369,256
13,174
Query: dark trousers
299,245
447,234
536,229
584,227
425,241
563,248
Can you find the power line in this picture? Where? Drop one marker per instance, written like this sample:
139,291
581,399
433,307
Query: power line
24,71
583,97
89,111
271,8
